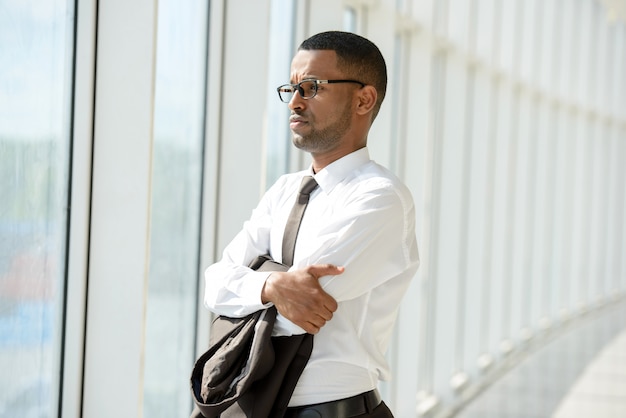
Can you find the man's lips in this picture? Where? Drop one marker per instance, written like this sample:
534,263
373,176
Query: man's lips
295,121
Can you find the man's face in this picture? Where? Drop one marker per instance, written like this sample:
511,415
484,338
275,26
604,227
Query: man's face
319,124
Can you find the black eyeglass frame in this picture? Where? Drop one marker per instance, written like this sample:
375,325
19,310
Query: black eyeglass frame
291,88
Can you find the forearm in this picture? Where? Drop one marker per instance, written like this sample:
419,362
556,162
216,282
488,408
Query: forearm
374,241
233,290
299,297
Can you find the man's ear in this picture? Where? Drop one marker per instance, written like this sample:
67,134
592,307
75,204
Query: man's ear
366,99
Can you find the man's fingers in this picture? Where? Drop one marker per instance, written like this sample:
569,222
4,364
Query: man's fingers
320,270
326,315
310,320
311,328
316,324
299,297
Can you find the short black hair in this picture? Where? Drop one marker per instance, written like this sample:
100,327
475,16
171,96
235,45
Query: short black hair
358,57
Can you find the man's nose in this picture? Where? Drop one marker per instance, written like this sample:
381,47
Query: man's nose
296,101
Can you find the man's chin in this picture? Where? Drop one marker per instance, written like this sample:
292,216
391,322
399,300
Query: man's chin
299,141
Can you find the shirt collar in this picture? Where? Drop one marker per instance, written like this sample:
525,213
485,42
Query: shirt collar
337,171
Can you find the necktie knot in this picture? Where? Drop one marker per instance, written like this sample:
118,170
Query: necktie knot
308,185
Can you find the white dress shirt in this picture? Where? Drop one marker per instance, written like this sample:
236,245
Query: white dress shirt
361,217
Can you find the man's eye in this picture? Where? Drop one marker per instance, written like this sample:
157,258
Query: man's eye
309,88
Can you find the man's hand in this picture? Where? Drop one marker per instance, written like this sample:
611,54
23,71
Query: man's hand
299,297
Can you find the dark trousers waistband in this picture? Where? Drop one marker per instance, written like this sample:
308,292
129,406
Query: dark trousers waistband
354,406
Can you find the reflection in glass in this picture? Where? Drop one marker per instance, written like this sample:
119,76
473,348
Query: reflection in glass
35,97
175,223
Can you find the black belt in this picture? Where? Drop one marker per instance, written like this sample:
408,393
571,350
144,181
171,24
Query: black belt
342,408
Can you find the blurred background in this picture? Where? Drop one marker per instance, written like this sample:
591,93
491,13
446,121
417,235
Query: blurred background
136,137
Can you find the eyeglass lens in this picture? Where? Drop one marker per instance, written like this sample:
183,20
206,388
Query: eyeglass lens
307,90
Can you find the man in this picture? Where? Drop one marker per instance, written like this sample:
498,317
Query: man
356,250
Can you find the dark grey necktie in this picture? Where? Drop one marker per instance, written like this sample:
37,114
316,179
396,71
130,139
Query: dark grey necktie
295,217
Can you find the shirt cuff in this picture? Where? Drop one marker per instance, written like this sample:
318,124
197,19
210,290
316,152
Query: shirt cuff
254,286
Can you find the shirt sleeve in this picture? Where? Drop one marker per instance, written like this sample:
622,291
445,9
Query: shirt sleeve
373,237
232,288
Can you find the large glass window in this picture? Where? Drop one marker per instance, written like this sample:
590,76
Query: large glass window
176,204
36,44
281,49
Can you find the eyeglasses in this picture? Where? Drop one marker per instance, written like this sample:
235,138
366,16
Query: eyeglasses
307,88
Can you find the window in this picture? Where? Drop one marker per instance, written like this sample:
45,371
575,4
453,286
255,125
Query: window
176,191
281,49
36,40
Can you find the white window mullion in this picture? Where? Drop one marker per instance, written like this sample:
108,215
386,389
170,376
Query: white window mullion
121,187
79,215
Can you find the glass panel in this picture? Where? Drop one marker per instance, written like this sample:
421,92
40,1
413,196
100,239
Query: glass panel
36,40
478,228
485,31
397,82
349,19
281,50
542,234
503,190
458,22
176,193
450,278
524,217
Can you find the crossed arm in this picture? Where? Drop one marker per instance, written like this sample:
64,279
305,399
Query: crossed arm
299,297
371,241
